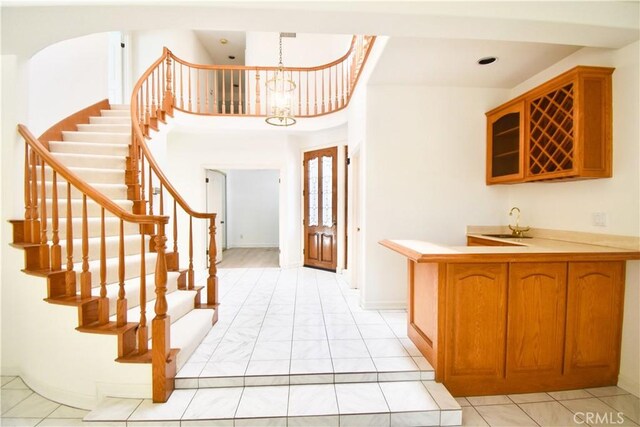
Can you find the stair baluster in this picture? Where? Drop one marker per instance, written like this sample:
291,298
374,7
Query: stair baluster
191,279
103,302
212,280
121,306
70,275
35,221
27,198
143,333
163,365
56,251
224,94
85,276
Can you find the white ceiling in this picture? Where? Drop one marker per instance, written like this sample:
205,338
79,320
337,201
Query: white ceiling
235,46
447,62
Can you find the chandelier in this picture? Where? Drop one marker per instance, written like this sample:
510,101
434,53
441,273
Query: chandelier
280,94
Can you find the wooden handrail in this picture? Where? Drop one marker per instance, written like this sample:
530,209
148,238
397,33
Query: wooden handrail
138,135
82,186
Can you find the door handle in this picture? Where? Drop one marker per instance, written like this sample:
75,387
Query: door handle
221,222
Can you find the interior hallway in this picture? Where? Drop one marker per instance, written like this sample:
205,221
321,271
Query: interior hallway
250,258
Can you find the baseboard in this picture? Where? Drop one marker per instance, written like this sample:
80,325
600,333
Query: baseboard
384,305
76,400
629,384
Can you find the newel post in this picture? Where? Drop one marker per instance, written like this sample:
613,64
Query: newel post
168,94
163,366
212,280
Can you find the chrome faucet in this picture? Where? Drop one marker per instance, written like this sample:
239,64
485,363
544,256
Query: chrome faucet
517,230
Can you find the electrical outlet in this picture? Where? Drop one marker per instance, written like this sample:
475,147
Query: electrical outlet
599,219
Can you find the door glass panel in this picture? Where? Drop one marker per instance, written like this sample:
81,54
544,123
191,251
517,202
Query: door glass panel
327,191
313,192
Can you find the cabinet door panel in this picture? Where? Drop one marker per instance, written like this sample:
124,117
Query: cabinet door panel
536,318
476,318
594,317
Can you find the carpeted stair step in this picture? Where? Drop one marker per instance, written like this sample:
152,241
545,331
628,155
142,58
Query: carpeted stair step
115,113
91,127
93,209
111,226
132,292
131,268
112,246
94,161
112,191
100,137
90,175
116,120
93,148
179,303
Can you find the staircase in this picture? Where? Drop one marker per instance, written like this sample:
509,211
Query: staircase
99,263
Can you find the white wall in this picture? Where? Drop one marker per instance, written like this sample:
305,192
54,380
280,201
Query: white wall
67,77
305,50
252,208
191,153
424,177
569,205
147,47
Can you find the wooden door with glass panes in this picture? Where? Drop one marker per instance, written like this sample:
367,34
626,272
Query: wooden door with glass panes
320,213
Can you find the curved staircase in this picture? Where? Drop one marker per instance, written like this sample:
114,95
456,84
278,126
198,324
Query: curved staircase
94,260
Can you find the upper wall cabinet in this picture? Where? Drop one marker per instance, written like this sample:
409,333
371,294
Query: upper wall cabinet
559,130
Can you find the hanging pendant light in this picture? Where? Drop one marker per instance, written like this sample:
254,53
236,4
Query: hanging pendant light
280,94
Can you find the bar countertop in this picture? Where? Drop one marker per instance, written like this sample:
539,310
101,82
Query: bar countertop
543,245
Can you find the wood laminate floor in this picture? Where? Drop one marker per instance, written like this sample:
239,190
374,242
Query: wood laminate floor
250,257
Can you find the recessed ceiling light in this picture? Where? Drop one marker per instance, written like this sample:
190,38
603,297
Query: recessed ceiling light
231,57
224,41
487,60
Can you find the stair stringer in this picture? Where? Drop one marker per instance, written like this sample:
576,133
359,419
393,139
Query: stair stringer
52,357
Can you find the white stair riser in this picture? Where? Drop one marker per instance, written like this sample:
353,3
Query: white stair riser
132,292
111,226
112,191
125,107
93,209
112,247
91,127
92,176
131,269
92,161
179,303
101,137
93,148
115,113
117,120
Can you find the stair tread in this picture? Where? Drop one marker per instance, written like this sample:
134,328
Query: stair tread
91,156
173,298
421,402
109,328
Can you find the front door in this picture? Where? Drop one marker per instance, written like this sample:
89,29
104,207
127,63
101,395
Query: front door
320,207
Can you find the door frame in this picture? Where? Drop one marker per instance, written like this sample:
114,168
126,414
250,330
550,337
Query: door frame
283,244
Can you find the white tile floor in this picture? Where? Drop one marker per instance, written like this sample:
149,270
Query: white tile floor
327,405
299,326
